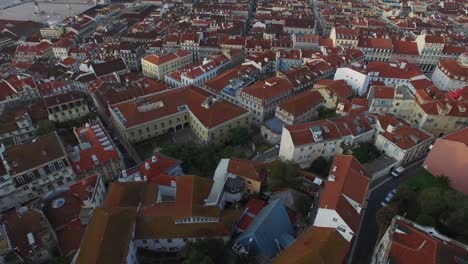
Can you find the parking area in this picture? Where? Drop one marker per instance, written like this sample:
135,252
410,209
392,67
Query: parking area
380,166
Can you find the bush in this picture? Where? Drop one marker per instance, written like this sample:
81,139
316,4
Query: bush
284,175
430,201
320,166
366,152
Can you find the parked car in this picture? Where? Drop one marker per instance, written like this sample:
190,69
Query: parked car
396,172
388,198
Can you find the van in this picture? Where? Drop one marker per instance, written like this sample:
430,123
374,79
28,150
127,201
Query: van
396,172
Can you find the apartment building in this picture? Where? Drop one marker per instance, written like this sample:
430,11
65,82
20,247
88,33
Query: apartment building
26,178
148,116
198,75
430,109
262,97
115,228
450,74
17,87
157,66
29,235
16,128
66,106
430,49
300,108
332,91
376,49
95,153
303,143
52,32
344,37
408,242
400,141
387,99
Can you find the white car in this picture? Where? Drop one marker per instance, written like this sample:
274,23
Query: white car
388,198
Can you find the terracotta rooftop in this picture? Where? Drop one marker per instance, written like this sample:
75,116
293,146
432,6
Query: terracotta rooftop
351,179
161,59
108,235
317,245
44,149
270,88
249,169
302,103
454,69
170,101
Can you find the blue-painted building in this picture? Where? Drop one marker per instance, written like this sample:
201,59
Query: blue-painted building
269,233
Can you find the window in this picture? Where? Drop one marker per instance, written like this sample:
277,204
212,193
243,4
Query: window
144,241
169,240
52,167
69,179
335,220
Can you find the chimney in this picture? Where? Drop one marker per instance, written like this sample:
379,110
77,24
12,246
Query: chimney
154,159
331,177
147,166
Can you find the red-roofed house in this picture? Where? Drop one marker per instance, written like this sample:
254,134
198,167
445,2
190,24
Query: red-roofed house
405,51
343,196
401,141
156,66
69,211
450,74
17,87
300,108
448,158
29,234
344,37
95,153
333,90
303,143
406,242
199,74
262,97
158,169
66,106
171,110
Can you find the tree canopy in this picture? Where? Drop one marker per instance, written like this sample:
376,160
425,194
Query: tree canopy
430,201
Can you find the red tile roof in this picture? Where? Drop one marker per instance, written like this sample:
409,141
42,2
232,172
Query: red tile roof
95,143
219,112
302,103
331,128
253,207
351,180
249,169
384,92
453,68
402,70
401,134
161,59
338,87
318,245
405,47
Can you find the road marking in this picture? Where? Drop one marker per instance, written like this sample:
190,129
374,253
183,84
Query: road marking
380,184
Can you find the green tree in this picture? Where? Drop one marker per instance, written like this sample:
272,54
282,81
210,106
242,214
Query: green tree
321,166
239,136
366,152
205,251
44,127
304,205
284,175
425,219
385,215
430,201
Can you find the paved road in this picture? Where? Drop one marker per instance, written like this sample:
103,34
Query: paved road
367,236
267,155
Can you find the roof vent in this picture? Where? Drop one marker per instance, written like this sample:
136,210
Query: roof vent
331,177
154,159
147,166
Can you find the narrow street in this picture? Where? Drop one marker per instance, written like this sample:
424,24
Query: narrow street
367,237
